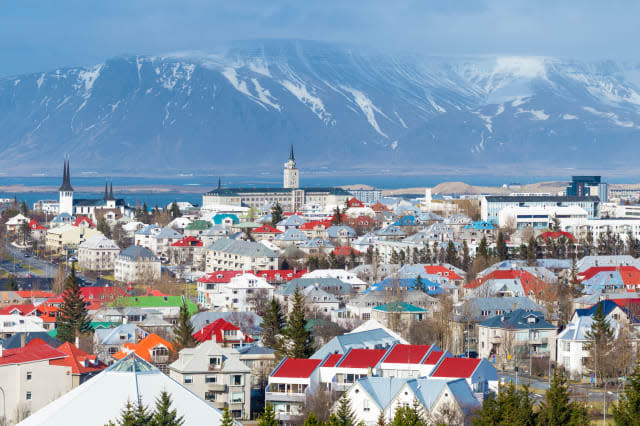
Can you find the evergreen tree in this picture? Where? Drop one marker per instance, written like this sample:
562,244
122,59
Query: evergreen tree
555,223
175,210
227,420
301,339
276,214
394,257
381,420
24,209
164,415
104,227
127,416
73,319
12,284
599,343
522,251
451,256
483,248
532,251
337,216
512,407
183,332
574,281
501,247
558,410
268,418
143,416
311,420
466,259
343,415
272,324
408,416
627,411
420,284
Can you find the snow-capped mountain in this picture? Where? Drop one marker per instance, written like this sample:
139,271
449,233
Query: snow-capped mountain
241,107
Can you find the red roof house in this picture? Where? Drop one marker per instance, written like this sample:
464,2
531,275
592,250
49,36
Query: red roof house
80,362
296,368
442,271
555,235
223,333
480,374
345,251
361,358
35,226
83,221
35,350
187,242
407,354
354,202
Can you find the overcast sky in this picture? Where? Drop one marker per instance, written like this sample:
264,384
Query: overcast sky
42,35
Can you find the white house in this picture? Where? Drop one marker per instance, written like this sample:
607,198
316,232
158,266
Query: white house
236,294
136,263
12,324
97,253
290,384
345,276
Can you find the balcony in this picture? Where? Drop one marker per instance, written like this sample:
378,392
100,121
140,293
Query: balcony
285,397
217,387
340,386
160,359
495,339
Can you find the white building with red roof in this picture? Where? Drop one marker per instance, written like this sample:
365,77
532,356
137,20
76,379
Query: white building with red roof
290,384
223,333
408,360
355,364
479,373
36,374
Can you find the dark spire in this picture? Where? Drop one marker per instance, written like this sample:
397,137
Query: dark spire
291,156
219,183
111,192
66,178
106,193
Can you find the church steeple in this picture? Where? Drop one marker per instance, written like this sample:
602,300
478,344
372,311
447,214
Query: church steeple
219,183
106,192
111,192
66,178
291,156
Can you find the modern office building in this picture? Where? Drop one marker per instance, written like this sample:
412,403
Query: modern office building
491,206
582,186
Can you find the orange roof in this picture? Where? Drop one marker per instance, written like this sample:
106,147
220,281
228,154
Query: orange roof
143,347
345,251
442,271
26,294
79,361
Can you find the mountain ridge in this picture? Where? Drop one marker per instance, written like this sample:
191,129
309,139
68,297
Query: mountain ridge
341,107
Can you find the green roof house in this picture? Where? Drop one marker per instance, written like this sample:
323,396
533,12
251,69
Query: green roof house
168,305
398,316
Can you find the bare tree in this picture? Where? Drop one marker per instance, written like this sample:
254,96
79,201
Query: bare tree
447,414
320,402
259,300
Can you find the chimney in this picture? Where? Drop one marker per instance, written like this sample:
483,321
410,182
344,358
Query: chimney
23,338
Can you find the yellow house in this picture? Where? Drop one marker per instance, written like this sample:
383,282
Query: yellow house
68,236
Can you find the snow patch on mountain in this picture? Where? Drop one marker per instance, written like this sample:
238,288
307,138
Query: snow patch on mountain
264,95
569,117
86,79
367,107
315,103
536,114
613,117
40,81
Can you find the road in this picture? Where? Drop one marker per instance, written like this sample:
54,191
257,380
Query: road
43,269
580,392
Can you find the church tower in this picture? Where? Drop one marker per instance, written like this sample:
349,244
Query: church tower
66,191
291,176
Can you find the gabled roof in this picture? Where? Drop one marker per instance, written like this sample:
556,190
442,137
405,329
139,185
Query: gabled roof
433,358
345,251
406,354
242,248
266,229
296,368
456,367
35,350
216,329
35,226
79,361
187,242
399,306
382,389
378,338
518,320
156,302
361,358
196,359
143,347
167,233
17,309
101,399
15,341
442,271
137,252
198,225
332,360
83,219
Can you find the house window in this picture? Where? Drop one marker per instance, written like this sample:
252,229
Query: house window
237,397
188,379
215,362
210,396
28,375
236,380
210,379
365,405
28,396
